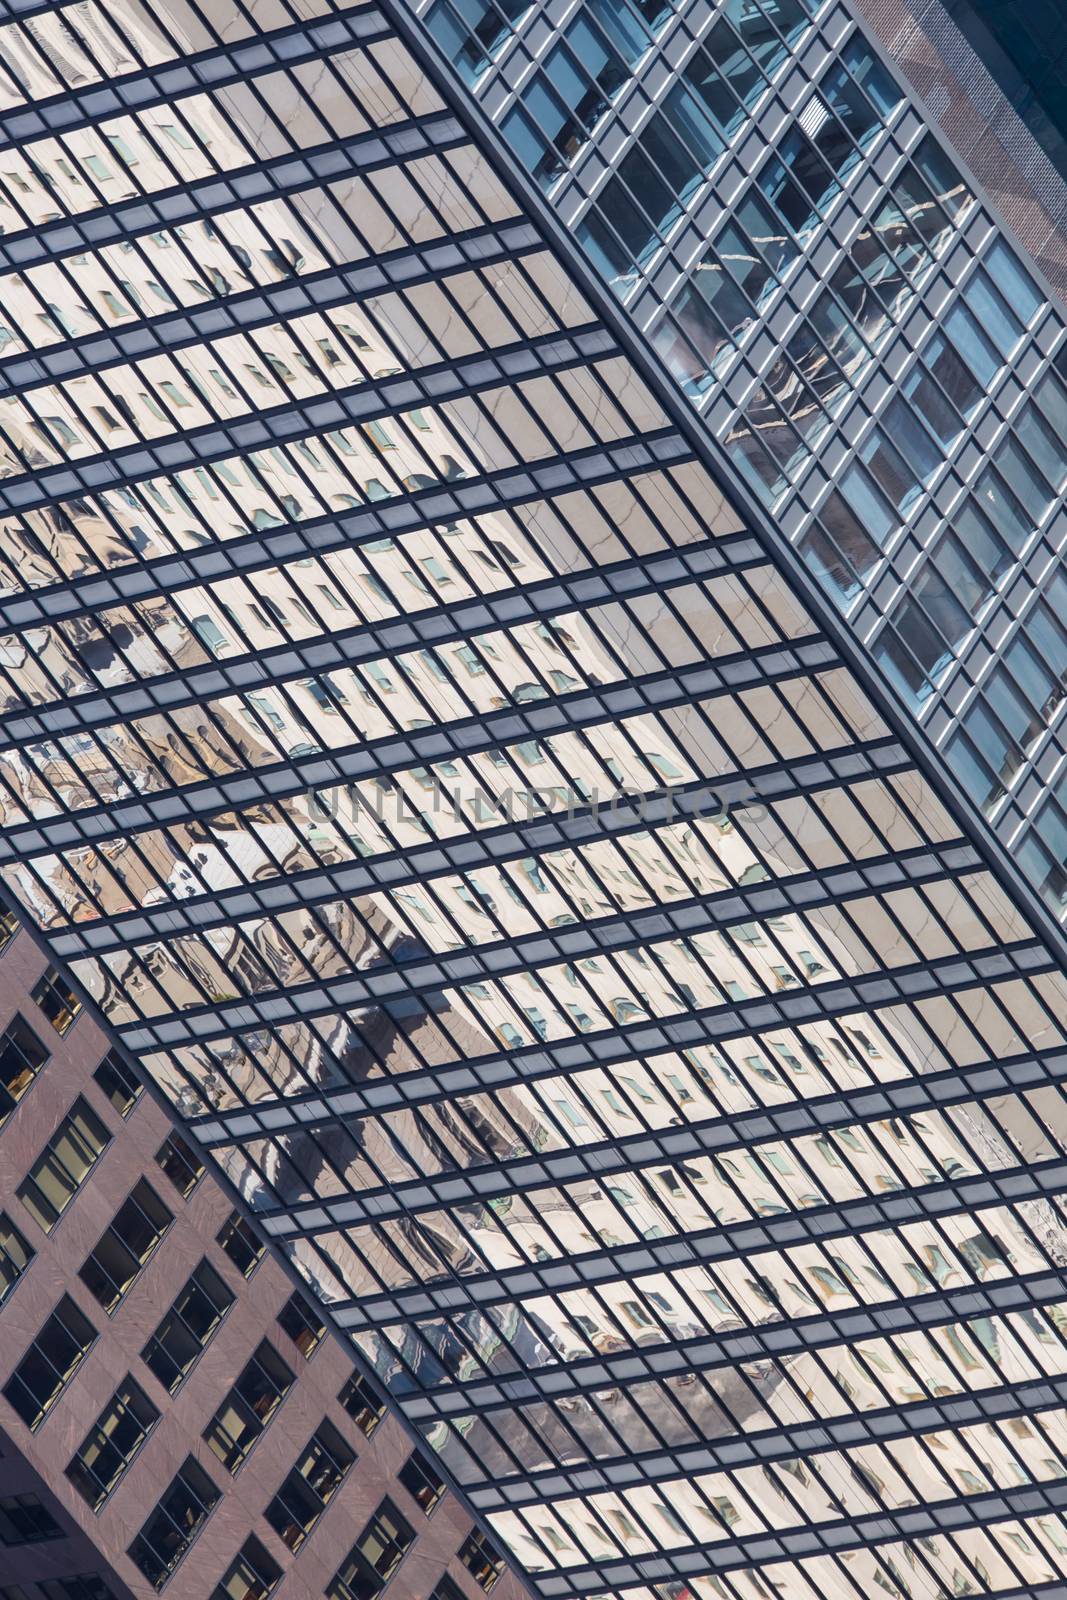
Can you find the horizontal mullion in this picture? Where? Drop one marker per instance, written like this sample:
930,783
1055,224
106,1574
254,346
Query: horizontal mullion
824,1002
901,1097
799,892
249,309
390,753
752,1552
219,67
289,422
1025,1397
385,871
682,1251
777,1339
418,627
401,513
425,978
269,179
632,1156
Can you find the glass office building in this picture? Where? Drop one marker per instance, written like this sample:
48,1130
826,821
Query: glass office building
533,665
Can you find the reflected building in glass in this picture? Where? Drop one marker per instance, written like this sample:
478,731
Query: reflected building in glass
532,673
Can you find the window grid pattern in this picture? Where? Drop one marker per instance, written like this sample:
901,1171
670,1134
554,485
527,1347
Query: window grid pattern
865,347
458,813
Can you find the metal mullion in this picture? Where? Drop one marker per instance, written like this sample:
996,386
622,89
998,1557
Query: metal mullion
183,63
435,870
225,421
824,1114
505,485
175,320
294,880
893,1424
99,477
729,1241
357,635
432,986
127,584
869,1533
103,224
595,949
552,718
285,187
886,1099
774,1341
919,888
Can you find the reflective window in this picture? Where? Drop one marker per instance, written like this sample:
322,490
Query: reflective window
63,1165
183,1508
112,1443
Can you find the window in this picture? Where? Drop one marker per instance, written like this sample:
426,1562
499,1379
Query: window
252,1576
24,1520
15,1255
482,1560
240,1244
9,926
422,1481
22,1055
188,1326
113,1079
471,34
309,1487
124,1247
363,1404
303,1325
182,1166
57,1000
67,1158
185,1505
210,634
89,1586
248,1407
50,1362
374,1557
111,1443
447,1590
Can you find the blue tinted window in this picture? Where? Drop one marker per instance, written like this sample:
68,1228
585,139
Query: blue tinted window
993,313
1017,287
972,345
624,29
469,31
873,77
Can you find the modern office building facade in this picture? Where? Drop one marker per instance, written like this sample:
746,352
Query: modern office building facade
990,89
533,665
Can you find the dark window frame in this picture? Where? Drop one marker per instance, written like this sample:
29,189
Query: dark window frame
254,1399
423,1482
45,1527
174,1325
57,1000
94,1485
259,1564
130,1089
166,1535
23,1049
234,1238
119,1240
302,1497
176,1156
480,1555
305,1328
62,1322
361,1400
31,1190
